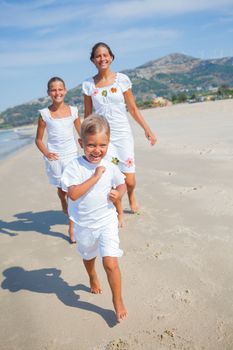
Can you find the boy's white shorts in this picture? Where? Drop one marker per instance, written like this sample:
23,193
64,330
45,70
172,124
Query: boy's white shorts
103,241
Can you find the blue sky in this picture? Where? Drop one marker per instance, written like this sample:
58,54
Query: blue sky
43,38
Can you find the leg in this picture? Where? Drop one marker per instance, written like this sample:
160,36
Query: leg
71,232
62,195
63,198
120,213
114,278
130,181
94,282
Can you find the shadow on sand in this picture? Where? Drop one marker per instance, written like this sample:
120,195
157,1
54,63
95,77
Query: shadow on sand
40,222
49,281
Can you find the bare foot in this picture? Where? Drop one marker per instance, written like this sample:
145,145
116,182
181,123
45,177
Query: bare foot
72,237
121,312
133,204
95,286
121,221
72,241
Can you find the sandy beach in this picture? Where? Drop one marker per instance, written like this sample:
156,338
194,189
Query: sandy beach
177,267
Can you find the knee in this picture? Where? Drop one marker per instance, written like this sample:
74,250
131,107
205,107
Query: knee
110,265
130,183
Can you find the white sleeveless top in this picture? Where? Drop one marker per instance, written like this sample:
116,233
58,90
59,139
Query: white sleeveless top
60,131
109,101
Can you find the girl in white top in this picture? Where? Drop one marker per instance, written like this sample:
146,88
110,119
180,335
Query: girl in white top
109,93
59,121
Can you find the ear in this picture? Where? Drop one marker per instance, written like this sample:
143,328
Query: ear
80,141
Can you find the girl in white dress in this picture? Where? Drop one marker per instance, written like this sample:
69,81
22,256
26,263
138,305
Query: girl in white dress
109,93
59,121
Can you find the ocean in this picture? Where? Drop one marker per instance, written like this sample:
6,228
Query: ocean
10,142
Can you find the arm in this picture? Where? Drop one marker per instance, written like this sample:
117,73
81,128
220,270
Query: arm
117,193
134,111
77,191
88,108
77,124
39,140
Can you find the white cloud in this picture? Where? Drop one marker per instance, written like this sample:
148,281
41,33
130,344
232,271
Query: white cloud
38,14
146,8
47,30
36,58
76,47
55,37
50,12
138,39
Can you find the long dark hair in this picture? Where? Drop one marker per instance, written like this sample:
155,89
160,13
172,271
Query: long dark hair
95,47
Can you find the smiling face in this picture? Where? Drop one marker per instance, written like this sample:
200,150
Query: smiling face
102,58
57,91
95,146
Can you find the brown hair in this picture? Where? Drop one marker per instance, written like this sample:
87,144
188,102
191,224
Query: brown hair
95,47
53,79
94,124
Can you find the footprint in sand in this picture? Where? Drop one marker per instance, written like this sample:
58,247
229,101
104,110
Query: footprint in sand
170,338
183,296
191,189
117,345
225,335
171,173
155,255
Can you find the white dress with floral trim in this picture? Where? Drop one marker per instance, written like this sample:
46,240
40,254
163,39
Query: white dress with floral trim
109,102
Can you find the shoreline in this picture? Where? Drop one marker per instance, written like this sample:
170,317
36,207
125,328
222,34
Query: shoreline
15,152
19,127
142,110
34,126
8,153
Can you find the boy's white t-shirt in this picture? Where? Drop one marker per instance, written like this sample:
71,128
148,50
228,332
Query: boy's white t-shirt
94,208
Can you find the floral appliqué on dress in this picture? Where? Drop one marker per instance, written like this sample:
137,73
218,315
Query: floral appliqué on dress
113,90
115,160
104,93
129,162
95,92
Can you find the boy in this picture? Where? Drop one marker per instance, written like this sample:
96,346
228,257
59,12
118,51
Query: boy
93,184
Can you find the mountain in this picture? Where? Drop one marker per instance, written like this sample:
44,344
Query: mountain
165,77
177,72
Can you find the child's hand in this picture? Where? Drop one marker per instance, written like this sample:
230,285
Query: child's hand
113,195
99,171
151,137
52,156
